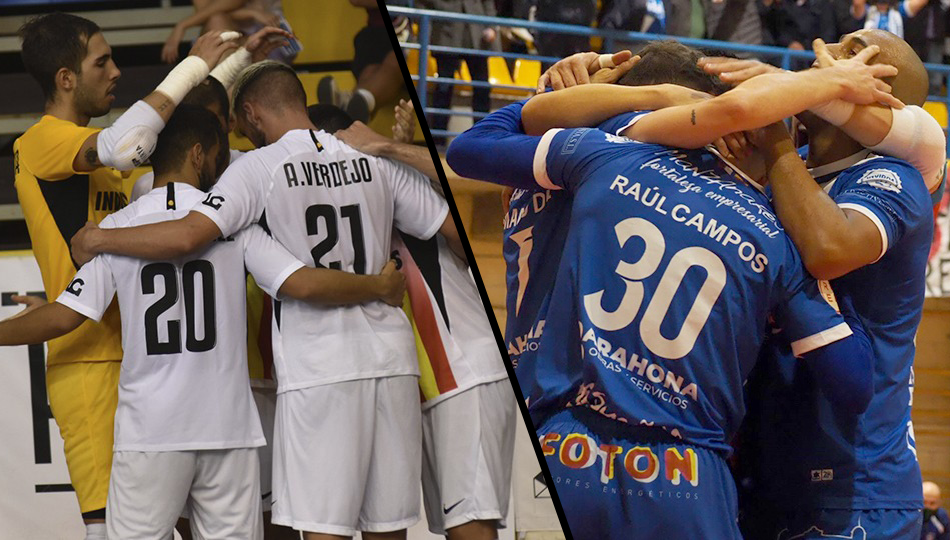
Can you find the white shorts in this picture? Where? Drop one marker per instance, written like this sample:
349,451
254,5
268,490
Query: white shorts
347,456
219,488
266,400
468,449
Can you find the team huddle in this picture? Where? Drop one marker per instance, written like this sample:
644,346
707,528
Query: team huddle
305,248
688,283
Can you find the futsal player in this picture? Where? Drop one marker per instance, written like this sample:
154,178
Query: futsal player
65,174
468,410
186,425
347,375
851,476
871,230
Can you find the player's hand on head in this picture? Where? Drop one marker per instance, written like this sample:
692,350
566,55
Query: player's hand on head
31,303
578,68
393,284
363,138
771,138
404,129
861,81
610,75
735,70
211,48
261,43
81,244
735,145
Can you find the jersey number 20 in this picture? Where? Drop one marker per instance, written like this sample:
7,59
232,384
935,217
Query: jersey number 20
190,273
659,305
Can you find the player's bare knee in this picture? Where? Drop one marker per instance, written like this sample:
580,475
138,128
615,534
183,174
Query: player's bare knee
485,529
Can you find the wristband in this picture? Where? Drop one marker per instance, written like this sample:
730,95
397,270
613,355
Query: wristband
228,70
185,76
835,112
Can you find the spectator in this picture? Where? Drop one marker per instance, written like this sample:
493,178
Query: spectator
925,32
845,20
576,12
633,15
469,36
378,78
245,16
794,24
886,14
936,520
737,21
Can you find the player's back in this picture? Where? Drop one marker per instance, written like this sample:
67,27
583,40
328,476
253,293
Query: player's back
671,267
333,207
457,349
184,382
869,462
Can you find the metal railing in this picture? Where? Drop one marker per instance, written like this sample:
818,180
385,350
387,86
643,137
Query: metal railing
424,17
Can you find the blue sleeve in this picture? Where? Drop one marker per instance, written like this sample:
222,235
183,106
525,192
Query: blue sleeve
891,194
619,123
496,150
843,368
807,311
568,157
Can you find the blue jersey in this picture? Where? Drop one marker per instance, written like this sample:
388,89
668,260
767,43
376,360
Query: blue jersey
534,231
672,263
868,462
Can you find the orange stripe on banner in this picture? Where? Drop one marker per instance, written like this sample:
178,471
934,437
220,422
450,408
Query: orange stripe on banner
428,328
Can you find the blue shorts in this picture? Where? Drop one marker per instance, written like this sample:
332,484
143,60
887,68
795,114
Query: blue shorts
852,525
627,482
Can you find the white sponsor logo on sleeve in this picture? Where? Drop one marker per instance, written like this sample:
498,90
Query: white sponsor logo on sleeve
882,179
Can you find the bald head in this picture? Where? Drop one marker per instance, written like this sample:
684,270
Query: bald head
931,496
911,83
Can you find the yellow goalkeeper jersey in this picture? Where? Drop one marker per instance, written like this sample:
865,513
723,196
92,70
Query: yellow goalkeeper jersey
57,201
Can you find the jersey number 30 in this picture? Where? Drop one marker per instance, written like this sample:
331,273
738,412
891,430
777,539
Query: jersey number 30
190,273
659,305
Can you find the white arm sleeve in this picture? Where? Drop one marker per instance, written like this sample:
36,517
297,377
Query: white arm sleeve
129,141
917,138
238,198
268,261
91,290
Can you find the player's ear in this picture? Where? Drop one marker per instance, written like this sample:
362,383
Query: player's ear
65,79
197,156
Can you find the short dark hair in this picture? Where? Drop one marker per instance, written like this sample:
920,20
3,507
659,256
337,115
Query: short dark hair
271,84
669,62
188,125
54,41
207,93
329,118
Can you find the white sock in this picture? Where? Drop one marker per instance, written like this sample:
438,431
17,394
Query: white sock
96,531
368,96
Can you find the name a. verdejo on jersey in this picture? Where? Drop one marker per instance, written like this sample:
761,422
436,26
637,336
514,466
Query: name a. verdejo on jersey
332,174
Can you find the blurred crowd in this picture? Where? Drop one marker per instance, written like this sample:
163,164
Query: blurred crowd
792,24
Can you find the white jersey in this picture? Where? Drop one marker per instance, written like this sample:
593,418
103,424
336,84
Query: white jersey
457,349
332,207
184,382
144,183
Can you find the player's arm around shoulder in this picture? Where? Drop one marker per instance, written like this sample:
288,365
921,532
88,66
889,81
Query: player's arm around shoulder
326,287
